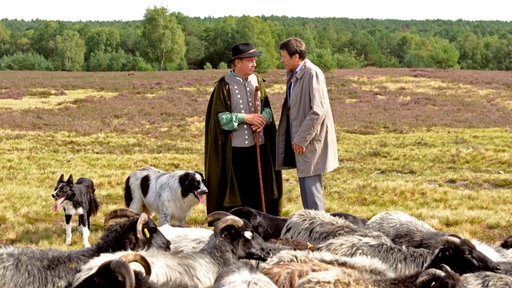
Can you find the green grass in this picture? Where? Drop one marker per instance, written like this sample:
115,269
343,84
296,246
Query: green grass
436,147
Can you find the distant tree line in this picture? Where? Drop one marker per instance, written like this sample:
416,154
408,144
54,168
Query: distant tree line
173,41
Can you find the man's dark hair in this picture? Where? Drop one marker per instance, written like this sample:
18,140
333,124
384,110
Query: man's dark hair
294,46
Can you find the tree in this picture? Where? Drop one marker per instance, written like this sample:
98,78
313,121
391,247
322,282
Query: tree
324,59
69,51
103,39
196,46
43,40
164,40
25,61
220,37
443,54
367,47
254,30
497,53
471,51
195,55
418,54
4,40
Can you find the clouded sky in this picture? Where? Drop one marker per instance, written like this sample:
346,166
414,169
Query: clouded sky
106,10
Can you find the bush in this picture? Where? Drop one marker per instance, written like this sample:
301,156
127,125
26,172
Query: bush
116,61
324,59
25,61
349,60
137,63
223,65
98,61
207,66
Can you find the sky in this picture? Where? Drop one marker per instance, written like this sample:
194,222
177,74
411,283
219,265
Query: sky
125,10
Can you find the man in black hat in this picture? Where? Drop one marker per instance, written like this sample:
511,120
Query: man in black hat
232,121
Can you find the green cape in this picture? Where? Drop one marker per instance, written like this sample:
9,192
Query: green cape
222,188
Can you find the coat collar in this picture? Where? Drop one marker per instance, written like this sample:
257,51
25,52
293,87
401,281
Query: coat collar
299,71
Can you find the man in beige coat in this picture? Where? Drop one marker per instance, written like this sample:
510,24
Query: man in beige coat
306,136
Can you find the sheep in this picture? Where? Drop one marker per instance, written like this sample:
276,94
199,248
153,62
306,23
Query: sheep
118,273
265,225
287,267
404,229
372,258
232,239
441,278
496,253
270,226
36,267
186,239
507,243
459,254
357,221
400,259
242,276
316,227
485,279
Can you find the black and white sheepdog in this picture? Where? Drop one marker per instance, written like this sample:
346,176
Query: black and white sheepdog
171,195
76,199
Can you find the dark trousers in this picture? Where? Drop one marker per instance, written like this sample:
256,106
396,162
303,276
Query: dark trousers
245,168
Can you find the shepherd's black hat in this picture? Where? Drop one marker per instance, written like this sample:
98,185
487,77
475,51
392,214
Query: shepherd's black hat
243,50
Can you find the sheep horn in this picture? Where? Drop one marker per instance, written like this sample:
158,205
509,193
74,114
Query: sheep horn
123,270
118,213
429,275
138,258
451,239
143,219
226,221
215,216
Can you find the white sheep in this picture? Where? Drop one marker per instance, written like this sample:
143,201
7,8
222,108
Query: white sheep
35,267
315,227
404,229
459,254
243,275
232,239
345,278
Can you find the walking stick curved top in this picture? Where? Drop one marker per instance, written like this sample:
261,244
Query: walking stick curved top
257,139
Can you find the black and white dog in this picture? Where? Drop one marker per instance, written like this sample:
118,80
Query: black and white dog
171,195
76,198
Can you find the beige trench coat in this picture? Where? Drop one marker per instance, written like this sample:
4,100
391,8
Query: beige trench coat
312,124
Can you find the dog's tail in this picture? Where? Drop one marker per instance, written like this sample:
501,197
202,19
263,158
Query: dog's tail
95,204
128,197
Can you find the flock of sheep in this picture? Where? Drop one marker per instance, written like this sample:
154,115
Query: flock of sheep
247,248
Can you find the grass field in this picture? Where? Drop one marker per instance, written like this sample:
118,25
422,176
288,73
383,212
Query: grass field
434,144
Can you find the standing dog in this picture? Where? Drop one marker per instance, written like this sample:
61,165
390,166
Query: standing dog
172,195
76,198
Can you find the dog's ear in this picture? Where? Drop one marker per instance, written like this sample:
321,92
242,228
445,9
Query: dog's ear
202,177
70,179
61,179
185,178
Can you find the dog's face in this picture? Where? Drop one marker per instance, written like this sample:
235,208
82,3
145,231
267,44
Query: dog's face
63,191
193,182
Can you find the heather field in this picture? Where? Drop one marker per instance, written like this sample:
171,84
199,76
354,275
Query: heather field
435,144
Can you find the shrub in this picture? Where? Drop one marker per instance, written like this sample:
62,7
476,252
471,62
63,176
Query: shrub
116,61
223,65
207,66
25,61
348,60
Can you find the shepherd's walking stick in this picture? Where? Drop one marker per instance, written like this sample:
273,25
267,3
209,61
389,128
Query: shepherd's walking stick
257,138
